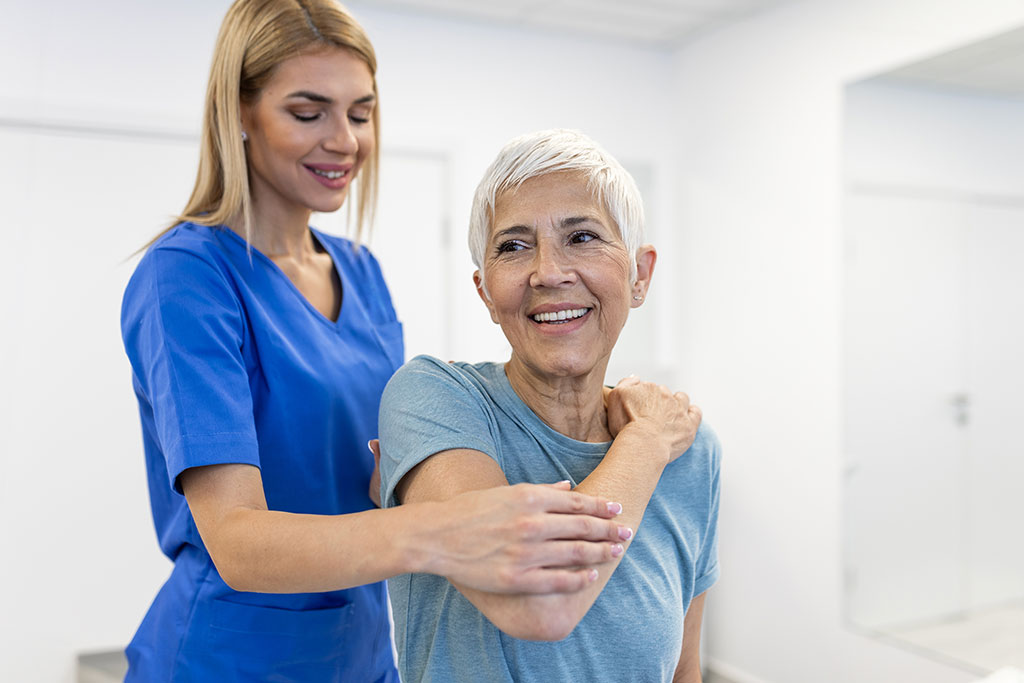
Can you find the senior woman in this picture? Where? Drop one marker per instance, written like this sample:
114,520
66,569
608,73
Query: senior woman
556,234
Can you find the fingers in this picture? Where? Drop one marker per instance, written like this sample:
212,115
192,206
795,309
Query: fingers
628,381
555,581
696,414
551,499
683,399
574,528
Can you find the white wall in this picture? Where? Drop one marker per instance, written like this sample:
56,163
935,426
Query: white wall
933,250
742,132
760,204
97,130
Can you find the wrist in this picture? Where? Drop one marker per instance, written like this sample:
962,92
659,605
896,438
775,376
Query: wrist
413,540
647,438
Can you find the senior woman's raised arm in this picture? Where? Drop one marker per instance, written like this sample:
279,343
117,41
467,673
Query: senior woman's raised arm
654,427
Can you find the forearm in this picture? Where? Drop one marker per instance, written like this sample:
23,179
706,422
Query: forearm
628,473
278,552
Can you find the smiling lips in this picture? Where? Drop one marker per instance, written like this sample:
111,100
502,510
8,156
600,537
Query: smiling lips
562,316
330,175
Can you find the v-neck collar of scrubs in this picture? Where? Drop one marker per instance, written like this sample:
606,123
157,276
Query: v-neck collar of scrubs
335,264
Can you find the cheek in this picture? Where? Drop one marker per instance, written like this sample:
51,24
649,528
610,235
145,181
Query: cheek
504,292
366,141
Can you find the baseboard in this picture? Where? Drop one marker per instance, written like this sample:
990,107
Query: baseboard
733,673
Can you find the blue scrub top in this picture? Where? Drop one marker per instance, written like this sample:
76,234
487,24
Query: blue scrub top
232,364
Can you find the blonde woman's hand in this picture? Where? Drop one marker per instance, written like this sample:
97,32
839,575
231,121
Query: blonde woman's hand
526,538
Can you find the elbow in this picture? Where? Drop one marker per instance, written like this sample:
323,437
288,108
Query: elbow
234,570
549,626
231,574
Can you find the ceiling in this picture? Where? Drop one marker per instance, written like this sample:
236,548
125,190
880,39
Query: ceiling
654,23
995,65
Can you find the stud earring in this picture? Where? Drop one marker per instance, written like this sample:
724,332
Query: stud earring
245,136
637,297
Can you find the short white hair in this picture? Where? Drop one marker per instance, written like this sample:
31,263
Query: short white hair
552,151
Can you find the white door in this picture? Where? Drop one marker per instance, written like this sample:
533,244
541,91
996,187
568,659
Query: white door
995,357
905,441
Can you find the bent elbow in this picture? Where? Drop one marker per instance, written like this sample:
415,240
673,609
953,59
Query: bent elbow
234,579
549,627
234,571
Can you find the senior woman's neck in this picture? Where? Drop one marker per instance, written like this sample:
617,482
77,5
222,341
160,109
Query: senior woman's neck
573,406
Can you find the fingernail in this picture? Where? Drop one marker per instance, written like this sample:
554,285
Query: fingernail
615,508
564,481
368,446
625,533
592,575
617,549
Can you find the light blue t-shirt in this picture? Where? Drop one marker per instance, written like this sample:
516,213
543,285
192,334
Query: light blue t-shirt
634,630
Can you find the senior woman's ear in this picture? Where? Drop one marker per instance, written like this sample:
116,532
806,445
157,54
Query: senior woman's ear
646,257
479,282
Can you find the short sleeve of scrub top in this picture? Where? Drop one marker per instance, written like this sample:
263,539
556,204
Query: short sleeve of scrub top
233,365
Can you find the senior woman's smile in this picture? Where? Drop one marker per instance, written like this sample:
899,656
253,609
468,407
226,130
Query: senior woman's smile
556,276
556,232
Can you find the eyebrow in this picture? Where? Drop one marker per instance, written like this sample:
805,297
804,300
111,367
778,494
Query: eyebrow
317,97
568,222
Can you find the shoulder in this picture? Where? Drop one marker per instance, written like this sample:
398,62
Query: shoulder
700,465
182,249
186,267
192,238
433,379
707,446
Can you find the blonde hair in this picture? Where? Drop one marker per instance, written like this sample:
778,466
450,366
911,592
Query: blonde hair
255,38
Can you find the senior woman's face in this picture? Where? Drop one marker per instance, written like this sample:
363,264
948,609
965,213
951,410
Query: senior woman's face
557,273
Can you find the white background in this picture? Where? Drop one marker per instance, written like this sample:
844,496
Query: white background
933,331
739,137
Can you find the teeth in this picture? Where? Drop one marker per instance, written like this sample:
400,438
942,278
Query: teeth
333,175
560,315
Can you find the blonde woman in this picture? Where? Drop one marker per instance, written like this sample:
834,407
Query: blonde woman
260,348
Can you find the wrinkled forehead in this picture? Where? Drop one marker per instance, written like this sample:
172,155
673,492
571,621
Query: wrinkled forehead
558,194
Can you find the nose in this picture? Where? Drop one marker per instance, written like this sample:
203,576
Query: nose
342,139
551,266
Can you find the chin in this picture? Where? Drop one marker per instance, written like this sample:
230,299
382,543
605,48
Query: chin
568,368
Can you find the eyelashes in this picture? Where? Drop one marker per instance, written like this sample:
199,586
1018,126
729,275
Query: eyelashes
577,237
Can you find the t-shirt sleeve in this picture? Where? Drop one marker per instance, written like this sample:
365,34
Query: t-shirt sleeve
183,331
429,407
707,570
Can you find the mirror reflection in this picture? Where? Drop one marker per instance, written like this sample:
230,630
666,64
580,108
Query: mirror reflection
933,339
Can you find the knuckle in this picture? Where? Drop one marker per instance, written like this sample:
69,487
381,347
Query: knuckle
507,578
526,527
579,552
586,527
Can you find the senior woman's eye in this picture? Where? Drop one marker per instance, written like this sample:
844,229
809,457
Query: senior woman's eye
510,246
581,236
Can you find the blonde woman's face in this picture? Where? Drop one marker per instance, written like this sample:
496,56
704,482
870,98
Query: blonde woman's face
309,132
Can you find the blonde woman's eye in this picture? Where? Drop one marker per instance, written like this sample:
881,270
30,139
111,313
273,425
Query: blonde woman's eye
305,118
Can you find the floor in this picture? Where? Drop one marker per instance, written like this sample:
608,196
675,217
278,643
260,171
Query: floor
102,667
110,667
985,639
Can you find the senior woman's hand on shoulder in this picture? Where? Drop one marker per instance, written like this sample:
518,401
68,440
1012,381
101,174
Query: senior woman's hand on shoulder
665,415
